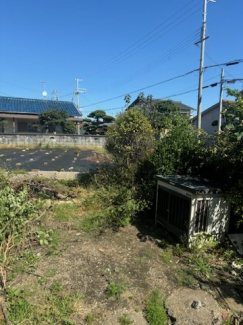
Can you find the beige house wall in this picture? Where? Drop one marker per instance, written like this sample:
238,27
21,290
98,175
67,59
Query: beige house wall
14,122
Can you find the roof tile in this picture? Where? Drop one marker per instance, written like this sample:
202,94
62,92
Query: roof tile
35,106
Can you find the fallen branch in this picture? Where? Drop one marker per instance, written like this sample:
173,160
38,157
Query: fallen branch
40,216
4,310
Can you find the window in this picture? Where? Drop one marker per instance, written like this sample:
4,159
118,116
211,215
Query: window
33,127
22,127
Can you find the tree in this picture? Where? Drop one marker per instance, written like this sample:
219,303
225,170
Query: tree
157,113
108,119
51,118
223,160
129,139
97,124
233,114
3,123
68,127
228,151
180,146
97,115
127,99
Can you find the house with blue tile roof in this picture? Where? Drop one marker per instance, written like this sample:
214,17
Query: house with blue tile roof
20,115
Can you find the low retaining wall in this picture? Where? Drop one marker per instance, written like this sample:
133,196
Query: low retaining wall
51,140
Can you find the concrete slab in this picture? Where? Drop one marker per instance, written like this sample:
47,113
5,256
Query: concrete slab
187,306
54,175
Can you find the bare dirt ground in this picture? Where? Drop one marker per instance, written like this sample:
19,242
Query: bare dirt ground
85,264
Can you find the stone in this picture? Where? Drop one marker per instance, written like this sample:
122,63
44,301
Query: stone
186,306
236,266
196,304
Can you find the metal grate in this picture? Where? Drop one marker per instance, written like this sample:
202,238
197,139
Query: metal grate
173,208
201,216
179,211
163,204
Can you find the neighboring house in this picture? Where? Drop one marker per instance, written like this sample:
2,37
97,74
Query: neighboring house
20,115
210,118
184,109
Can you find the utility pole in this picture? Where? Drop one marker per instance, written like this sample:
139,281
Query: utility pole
202,41
78,91
221,99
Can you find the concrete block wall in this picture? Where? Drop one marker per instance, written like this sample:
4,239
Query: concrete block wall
51,140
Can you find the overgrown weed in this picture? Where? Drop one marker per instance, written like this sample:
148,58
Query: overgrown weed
185,278
19,309
57,306
90,318
125,320
167,255
114,205
154,311
65,211
115,289
200,264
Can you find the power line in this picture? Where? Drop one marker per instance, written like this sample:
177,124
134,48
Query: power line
167,80
142,43
111,109
196,89
184,92
210,58
157,62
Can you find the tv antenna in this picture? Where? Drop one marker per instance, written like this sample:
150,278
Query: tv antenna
79,91
55,94
44,93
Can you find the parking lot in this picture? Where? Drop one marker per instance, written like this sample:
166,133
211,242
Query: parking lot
52,160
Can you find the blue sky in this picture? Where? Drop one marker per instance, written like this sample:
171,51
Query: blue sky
117,48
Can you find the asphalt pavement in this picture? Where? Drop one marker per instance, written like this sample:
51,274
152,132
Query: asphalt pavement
50,160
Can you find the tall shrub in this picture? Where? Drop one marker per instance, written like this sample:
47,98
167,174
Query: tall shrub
129,139
179,148
224,161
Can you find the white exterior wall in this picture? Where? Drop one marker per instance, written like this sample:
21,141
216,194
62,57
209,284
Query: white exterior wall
218,217
208,118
